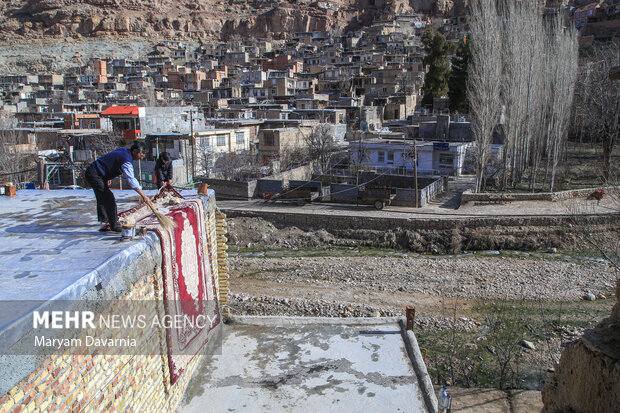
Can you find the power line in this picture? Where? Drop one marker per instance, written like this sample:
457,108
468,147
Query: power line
18,172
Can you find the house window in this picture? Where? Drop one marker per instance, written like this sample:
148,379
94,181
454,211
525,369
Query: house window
93,124
240,138
390,158
381,157
268,140
221,140
446,160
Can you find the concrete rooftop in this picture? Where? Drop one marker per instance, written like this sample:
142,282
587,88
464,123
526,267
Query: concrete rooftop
51,249
51,246
276,364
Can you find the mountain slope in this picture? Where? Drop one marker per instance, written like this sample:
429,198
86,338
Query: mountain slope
197,19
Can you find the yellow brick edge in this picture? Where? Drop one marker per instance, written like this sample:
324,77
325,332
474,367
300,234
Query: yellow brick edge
222,258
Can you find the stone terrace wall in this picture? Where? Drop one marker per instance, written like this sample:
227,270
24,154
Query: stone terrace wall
469,196
344,222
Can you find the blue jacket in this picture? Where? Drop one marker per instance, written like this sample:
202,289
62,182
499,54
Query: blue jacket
109,165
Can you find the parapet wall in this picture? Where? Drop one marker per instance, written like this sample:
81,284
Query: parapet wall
88,382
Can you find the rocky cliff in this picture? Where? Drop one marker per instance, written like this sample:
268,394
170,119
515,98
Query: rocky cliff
198,19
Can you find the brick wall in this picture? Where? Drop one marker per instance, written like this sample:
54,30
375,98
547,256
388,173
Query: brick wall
99,382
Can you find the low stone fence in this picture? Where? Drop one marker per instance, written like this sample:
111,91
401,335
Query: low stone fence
430,191
227,189
347,193
469,196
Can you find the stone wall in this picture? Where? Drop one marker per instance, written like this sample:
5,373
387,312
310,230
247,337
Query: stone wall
469,196
344,222
226,189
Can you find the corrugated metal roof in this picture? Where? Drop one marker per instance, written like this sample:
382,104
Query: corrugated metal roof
121,110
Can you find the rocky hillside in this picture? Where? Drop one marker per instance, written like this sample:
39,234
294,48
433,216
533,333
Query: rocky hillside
21,20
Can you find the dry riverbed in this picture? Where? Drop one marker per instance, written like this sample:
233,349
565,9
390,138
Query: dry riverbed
383,283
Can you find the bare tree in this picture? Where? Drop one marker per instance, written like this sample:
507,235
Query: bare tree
292,156
484,78
522,75
206,157
232,165
561,76
522,36
406,86
320,143
17,163
598,101
505,331
102,144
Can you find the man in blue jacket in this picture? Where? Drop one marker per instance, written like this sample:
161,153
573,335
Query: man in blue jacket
103,170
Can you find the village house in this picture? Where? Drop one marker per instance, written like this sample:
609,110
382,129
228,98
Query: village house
397,154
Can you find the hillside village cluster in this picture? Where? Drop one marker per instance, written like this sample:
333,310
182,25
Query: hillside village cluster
258,99
253,103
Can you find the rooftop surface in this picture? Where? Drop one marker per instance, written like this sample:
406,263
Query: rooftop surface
308,365
50,240
52,250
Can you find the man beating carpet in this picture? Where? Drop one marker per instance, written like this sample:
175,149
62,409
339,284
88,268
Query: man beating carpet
103,170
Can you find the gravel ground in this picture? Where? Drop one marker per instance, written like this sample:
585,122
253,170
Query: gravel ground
383,286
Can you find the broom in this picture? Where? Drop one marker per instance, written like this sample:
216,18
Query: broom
165,222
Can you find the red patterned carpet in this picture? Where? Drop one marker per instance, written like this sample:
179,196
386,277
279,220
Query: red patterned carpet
188,274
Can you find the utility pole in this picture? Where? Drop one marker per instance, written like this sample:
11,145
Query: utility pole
415,171
191,128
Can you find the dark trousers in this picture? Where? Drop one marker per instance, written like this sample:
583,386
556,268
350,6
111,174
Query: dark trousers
106,204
